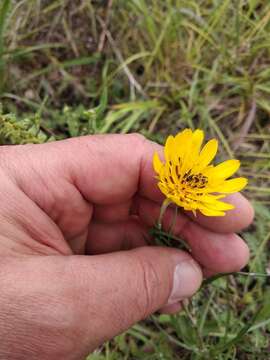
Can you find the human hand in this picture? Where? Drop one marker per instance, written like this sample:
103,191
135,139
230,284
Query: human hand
95,196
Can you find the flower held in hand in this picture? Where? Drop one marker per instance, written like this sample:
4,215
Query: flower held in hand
187,179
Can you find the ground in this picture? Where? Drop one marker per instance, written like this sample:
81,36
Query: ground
156,66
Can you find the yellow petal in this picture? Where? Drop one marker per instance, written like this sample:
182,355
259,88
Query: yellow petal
191,151
208,153
195,147
224,170
197,138
181,141
176,200
157,164
220,206
174,172
231,186
208,212
209,199
182,137
169,148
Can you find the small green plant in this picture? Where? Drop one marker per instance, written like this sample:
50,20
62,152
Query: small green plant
23,131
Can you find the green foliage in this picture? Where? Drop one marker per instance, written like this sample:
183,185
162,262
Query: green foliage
160,66
27,130
4,7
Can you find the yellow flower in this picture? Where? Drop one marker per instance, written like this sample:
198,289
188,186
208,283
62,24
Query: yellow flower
187,179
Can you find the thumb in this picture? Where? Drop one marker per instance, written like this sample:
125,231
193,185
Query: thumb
123,288
63,305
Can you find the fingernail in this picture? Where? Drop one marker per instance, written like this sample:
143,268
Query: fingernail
186,281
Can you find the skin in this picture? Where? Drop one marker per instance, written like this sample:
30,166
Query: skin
75,267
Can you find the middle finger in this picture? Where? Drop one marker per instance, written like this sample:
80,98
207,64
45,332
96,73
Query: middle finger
214,251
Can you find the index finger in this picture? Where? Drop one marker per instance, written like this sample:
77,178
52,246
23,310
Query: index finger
110,169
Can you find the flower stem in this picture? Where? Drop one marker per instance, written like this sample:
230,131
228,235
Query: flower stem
163,208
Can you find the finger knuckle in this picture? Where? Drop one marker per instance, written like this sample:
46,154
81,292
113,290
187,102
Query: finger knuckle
138,141
149,285
137,138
